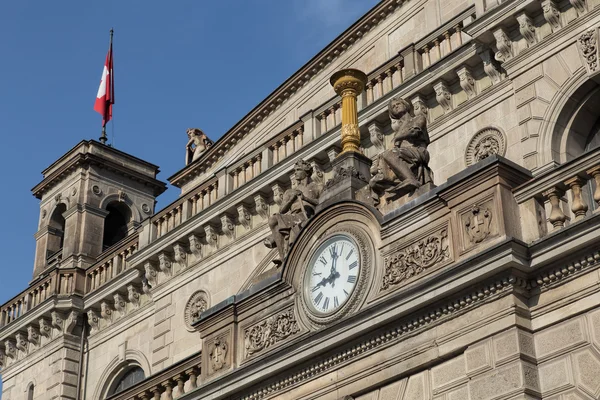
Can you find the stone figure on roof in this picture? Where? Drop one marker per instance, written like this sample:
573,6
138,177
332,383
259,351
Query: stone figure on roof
297,206
404,168
197,144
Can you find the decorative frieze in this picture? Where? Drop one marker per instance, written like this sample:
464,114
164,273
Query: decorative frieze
551,14
527,28
443,95
415,259
228,226
164,263
133,296
467,83
244,216
33,335
376,135
179,254
270,331
504,45
262,207
588,49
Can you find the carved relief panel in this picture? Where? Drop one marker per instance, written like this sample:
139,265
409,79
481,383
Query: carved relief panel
478,223
218,353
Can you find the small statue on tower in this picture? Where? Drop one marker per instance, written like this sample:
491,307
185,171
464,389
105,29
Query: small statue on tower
404,168
197,144
297,206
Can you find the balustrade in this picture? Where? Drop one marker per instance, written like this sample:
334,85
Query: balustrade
110,264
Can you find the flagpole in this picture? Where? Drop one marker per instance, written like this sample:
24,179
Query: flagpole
103,137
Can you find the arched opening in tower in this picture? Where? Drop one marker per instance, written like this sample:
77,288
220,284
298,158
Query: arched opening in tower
115,224
56,229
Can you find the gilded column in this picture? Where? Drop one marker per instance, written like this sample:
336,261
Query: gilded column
349,83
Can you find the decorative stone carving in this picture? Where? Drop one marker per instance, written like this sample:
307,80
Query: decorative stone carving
332,153
33,335
197,304
341,174
11,349
212,236
551,13
164,263
146,287
413,260
478,223
227,226
262,207
2,359
485,143
71,322
491,69
504,45
270,331
318,176
146,208
197,144
21,342
122,196
376,135
467,83
244,216
179,254
443,95
579,5
133,296
277,193
96,190
45,328
218,354
120,303
151,274
195,245
106,311
93,320
404,168
420,106
297,207
526,28
588,48
57,320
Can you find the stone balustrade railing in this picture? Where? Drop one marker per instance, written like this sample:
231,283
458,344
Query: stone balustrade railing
562,196
111,263
56,282
286,143
169,384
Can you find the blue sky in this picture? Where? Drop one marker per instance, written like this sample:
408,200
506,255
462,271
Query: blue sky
178,64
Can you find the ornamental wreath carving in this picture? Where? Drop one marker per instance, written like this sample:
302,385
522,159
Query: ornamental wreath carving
270,331
197,304
485,143
415,259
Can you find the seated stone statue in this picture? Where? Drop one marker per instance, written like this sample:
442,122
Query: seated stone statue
297,206
405,167
197,144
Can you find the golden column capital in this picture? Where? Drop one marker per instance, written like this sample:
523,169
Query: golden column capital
349,83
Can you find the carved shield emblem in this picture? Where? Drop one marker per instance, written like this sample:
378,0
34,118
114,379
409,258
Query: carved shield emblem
478,224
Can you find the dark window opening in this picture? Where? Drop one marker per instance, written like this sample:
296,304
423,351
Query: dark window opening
132,377
56,230
115,224
30,392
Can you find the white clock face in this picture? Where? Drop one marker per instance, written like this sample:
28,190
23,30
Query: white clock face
332,274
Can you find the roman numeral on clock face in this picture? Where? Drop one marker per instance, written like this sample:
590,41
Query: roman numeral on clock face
351,278
353,265
318,298
326,304
336,303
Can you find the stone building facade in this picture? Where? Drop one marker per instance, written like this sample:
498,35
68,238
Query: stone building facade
473,274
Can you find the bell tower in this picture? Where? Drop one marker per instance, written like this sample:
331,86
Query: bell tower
90,199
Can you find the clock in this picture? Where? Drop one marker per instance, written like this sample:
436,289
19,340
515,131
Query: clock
332,275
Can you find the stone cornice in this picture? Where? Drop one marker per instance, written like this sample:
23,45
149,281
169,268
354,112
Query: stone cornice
288,88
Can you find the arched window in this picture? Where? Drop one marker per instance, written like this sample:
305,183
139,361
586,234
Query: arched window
56,230
130,378
115,224
30,391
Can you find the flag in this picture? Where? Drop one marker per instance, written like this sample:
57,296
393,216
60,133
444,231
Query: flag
106,95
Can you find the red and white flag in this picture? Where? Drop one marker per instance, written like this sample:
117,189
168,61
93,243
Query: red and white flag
106,94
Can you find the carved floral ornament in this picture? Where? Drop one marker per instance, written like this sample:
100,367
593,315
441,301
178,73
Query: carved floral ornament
270,331
413,260
588,48
485,143
197,304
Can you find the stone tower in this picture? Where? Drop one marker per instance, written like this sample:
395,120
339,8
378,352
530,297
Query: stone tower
91,198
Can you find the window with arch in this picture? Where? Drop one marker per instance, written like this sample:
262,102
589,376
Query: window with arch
115,223
30,391
56,230
129,378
